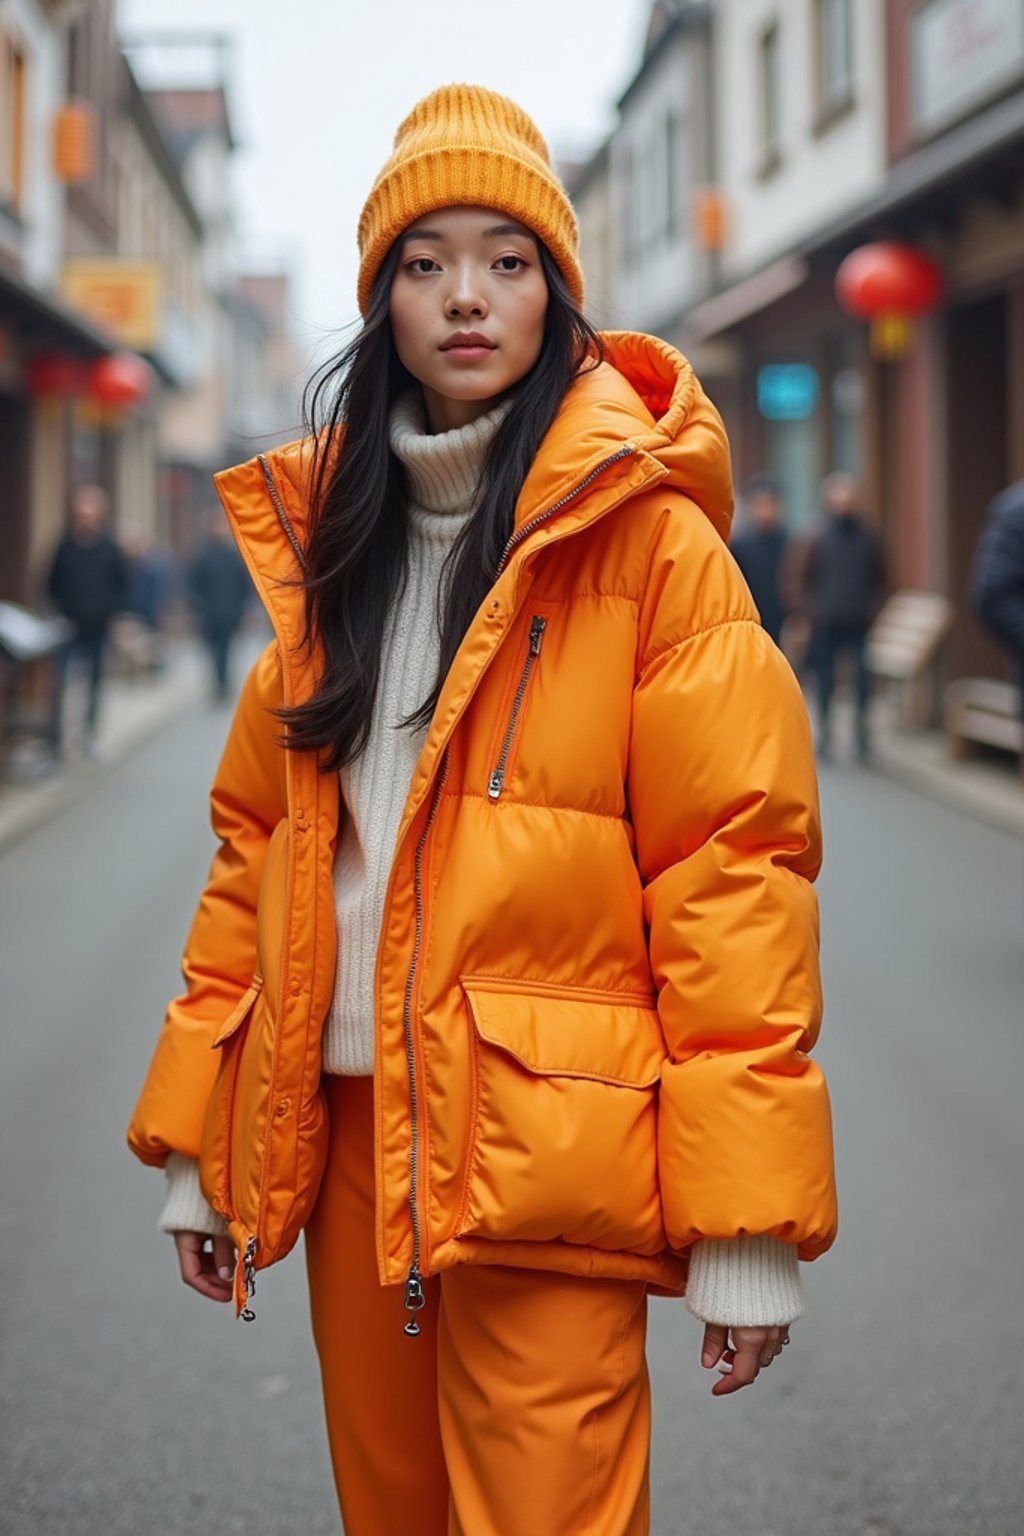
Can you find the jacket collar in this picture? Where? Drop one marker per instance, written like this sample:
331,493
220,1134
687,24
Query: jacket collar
637,418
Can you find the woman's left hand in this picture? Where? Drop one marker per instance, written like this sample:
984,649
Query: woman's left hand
740,1353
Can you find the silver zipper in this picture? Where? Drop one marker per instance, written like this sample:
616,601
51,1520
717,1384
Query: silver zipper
535,522
497,780
414,1297
249,1271
279,508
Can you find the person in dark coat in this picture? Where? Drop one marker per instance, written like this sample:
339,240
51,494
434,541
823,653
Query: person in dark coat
844,583
219,590
997,584
87,583
759,550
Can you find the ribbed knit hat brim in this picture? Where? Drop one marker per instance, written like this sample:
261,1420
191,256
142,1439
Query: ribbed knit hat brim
465,146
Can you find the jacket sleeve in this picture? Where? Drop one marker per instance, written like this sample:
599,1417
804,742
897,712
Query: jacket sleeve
999,576
724,805
247,802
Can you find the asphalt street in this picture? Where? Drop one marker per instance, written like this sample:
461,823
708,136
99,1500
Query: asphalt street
131,1407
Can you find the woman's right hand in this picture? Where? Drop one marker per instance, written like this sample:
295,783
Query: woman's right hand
210,1271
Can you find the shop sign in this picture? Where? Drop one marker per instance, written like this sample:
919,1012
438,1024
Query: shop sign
123,298
787,391
962,53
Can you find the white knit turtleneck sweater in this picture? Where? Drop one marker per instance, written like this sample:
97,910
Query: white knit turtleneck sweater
749,1280
443,472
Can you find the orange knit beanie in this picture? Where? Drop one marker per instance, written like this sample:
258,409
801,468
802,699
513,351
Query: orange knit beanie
466,145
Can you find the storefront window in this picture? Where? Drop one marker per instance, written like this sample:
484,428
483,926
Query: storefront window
847,419
789,403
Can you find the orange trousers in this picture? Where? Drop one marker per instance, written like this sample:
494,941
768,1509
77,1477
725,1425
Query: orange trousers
522,1409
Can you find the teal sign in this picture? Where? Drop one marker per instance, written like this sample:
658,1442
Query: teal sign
787,391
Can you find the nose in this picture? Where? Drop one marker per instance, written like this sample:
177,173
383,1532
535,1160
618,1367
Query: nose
465,296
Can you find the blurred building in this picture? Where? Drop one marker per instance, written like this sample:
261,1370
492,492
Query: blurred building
225,355
133,350
759,144
799,92
952,410
267,370
44,342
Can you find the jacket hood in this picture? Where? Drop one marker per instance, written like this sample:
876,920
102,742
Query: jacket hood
644,394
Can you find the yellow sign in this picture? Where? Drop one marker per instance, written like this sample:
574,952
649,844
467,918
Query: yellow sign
122,297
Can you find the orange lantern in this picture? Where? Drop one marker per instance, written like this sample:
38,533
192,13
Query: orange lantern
74,142
53,375
709,222
888,284
119,381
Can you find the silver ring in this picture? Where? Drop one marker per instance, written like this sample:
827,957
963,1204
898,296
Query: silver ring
785,1341
767,1363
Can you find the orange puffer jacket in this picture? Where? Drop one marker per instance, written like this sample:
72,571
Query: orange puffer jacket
597,979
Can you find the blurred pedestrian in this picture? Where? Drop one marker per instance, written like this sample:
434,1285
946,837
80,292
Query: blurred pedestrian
759,549
219,591
500,596
843,577
152,580
87,582
998,578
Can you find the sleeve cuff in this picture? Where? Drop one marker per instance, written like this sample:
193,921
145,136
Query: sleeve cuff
744,1282
186,1209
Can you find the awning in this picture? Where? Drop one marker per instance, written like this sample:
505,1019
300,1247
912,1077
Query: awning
747,297
41,321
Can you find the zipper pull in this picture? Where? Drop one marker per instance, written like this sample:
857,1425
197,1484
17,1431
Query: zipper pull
496,782
414,1302
249,1266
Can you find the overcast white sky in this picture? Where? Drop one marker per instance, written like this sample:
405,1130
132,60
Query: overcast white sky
319,86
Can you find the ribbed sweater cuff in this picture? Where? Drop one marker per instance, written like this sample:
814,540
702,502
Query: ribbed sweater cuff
186,1209
744,1282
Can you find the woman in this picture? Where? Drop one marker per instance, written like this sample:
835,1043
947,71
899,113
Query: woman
508,955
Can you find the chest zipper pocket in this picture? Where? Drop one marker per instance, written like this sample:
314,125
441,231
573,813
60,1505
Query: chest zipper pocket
496,783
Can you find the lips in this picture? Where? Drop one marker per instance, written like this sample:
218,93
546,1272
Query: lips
468,341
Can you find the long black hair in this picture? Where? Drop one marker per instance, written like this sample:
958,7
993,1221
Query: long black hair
356,555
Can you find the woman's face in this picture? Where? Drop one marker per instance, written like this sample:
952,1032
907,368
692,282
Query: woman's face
467,309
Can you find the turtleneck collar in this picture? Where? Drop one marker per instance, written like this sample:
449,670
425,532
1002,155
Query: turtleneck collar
443,467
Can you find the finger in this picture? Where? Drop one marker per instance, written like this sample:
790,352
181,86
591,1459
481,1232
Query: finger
746,1363
224,1258
195,1267
188,1246
716,1337
772,1347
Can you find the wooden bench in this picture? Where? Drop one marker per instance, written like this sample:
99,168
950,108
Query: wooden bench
903,644
980,711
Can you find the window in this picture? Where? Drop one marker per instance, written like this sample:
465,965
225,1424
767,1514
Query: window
833,50
770,97
12,121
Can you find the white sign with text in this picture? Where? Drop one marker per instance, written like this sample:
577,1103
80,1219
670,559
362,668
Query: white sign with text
963,51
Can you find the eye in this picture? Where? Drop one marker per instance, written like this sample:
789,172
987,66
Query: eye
422,265
510,263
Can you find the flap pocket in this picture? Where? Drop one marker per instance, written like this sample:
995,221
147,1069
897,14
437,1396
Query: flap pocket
608,1040
239,1013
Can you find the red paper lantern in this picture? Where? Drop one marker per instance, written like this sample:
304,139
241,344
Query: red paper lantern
120,380
888,284
53,375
